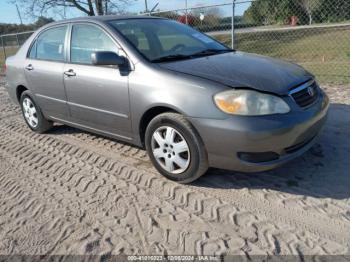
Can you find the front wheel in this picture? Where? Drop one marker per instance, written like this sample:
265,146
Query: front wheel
33,115
175,148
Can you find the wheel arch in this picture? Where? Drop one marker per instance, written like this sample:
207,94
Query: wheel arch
19,91
149,114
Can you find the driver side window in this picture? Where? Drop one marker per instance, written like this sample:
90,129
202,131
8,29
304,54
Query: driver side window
87,39
137,38
170,40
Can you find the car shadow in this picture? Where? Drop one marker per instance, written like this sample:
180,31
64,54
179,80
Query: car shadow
59,129
322,172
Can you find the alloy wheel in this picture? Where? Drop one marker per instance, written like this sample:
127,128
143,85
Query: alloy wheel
170,150
30,112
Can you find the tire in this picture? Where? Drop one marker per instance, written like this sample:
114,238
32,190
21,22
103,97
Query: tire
166,138
31,111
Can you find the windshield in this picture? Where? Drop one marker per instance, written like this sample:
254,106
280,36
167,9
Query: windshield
163,40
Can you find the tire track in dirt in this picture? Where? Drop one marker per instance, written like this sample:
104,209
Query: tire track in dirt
77,165
304,219
176,194
81,187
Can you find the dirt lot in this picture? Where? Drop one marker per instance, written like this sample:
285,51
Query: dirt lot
71,192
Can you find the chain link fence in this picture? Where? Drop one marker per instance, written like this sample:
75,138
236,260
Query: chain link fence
207,19
10,43
312,33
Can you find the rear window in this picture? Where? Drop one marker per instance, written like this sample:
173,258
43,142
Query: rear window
32,53
50,45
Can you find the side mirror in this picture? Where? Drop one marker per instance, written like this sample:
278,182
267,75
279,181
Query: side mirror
107,58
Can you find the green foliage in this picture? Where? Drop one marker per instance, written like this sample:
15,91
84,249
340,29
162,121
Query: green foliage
15,28
42,20
334,11
272,12
267,12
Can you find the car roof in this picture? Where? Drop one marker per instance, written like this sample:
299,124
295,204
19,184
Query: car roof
104,18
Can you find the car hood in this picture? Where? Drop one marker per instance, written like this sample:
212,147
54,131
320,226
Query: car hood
238,69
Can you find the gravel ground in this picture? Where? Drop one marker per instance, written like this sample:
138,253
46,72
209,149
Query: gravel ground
72,192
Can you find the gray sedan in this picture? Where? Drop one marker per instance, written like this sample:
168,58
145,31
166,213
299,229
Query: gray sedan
192,102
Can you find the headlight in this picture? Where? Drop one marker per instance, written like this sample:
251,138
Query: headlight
250,103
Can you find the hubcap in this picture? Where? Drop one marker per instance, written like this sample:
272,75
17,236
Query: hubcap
171,150
30,112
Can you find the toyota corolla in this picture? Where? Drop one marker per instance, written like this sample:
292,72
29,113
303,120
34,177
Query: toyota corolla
191,101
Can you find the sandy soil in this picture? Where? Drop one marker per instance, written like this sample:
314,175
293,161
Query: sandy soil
71,192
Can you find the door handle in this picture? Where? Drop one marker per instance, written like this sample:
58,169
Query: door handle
29,67
70,72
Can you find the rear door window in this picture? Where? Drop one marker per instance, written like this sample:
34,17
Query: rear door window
50,44
32,53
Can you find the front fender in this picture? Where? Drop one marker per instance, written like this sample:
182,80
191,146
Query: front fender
151,87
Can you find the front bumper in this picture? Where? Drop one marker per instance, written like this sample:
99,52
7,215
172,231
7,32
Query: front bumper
229,141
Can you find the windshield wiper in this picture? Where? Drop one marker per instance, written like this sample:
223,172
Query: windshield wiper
176,57
170,58
207,52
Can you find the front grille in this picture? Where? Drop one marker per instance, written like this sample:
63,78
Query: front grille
306,94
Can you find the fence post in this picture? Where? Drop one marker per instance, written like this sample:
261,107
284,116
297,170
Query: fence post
17,39
233,24
3,46
186,14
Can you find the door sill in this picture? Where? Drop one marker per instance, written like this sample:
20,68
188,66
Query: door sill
90,129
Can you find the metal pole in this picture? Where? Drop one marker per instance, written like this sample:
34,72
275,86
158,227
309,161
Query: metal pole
233,24
186,12
64,9
146,7
17,40
19,14
3,46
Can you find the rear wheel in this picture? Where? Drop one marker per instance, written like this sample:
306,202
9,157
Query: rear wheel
33,115
175,148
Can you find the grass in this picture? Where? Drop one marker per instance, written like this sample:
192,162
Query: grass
9,52
325,52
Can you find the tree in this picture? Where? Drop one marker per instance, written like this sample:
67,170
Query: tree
266,12
42,20
334,11
15,28
309,7
212,16
88,7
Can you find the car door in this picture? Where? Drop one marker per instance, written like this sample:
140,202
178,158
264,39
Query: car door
44,71
98,96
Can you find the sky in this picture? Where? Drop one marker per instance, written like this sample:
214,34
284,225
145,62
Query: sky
8,12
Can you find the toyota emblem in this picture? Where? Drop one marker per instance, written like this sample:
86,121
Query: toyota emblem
311,91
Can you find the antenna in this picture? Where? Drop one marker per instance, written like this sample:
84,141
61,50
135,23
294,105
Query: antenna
154,8
146,6
186,12
19,14
64,9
